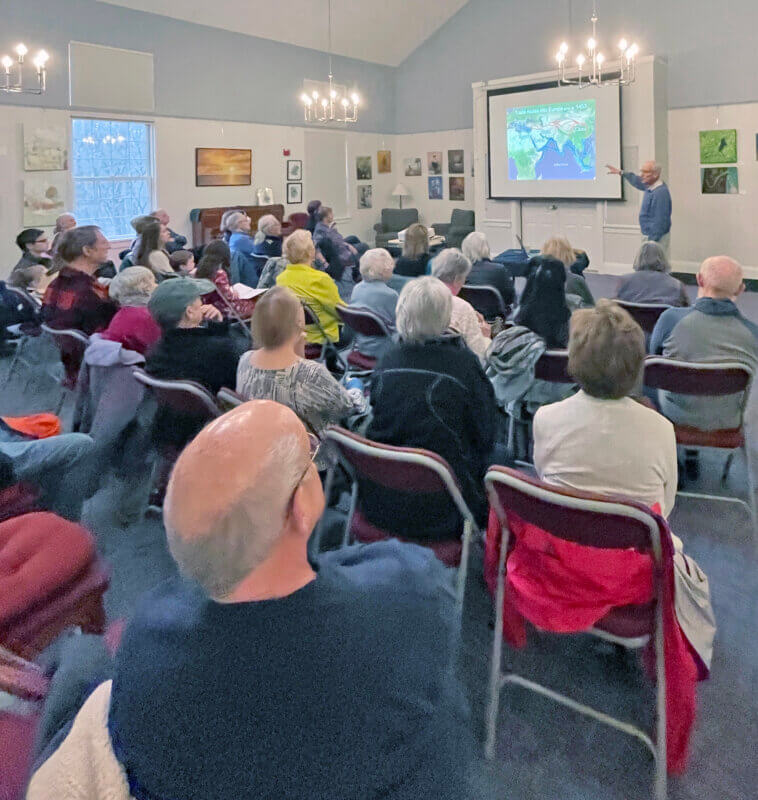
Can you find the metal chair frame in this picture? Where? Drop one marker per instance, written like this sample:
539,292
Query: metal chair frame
498,679
65,333
311,318
228,398
472,293
189,387
34,304
644,314
367,314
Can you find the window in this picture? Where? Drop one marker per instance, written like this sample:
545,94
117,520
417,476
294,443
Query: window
113,173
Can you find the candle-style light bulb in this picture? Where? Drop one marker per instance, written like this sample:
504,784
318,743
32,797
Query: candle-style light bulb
7,62
591,44
623,44
21,50
354,97
564,47
600,58
580,59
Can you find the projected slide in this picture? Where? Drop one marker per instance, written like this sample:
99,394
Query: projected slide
555,141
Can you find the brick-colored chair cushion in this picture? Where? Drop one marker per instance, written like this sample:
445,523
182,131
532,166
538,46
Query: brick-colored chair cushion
728,438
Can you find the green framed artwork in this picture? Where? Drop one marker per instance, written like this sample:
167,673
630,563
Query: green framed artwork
719,180
718,147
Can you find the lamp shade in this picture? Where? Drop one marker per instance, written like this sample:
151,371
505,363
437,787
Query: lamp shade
400,191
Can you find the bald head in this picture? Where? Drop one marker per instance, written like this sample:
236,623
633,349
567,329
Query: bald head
161,215
720,277
228,497
650,171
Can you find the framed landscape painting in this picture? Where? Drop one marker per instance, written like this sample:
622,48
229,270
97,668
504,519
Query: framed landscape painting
216,166
457,188
718,147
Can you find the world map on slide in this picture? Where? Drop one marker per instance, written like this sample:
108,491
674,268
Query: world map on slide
552,142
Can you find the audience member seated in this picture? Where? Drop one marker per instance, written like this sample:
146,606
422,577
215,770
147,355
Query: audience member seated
428,390
312,209
712,330
485,272
543,307
311,285
452,268
138,223
651,282
133,325
214,266
63,223
30,271
415,258
268,239
175,240
374,294
272,269
342,254
223,228
240,241
151,252
183,262
559,247
257,675
279,370
75,299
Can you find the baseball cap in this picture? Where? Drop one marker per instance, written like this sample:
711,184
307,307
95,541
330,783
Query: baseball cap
169,301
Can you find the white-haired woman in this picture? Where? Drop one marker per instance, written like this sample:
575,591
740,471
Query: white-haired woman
133,325
373,293
429,391
268,239
651,282
484,271
452,268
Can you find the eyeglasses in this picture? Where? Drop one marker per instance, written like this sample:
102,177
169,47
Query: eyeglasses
314,444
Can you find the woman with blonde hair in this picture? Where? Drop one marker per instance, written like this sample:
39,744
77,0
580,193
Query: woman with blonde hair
415,256
559,247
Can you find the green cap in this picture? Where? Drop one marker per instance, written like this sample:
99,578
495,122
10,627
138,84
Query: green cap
169,301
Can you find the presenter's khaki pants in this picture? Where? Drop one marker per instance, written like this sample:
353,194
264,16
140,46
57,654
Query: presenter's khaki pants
664,242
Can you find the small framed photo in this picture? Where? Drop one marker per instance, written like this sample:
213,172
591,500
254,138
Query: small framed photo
294,170
294,193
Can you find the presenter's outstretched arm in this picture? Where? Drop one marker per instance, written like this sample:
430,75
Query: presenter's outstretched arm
613,170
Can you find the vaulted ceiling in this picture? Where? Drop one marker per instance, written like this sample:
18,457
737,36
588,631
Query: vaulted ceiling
381,31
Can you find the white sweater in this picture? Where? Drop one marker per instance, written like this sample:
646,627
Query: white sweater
464,320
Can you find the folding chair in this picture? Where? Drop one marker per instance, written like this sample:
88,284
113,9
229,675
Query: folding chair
215,299
599,522
408,469
318,352
487,300
71,344
26,330
708,380
366,322
644,314
227,399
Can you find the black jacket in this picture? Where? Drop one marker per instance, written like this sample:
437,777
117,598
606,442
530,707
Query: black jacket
436,396
412,267
490,273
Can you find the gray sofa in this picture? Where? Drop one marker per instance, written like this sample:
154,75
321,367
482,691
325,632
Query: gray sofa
393,221
462,223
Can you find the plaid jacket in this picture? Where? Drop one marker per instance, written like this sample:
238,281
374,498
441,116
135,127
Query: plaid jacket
76,300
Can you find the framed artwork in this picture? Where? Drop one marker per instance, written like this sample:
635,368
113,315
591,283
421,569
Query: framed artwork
294,170
457,188
383,161
363,168
435,187
365,196
719,180
265,196
217,166
44,199
45,148
718,147
412,167
294,193
434,162
455,162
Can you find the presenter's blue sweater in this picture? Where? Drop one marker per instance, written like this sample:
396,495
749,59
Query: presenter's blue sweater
655,213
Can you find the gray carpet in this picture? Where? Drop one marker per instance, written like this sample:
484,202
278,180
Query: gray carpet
543,750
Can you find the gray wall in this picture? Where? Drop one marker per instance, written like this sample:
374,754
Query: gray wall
200,72
711,50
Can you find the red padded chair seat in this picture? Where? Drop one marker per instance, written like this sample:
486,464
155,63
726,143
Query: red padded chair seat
727,438
629,622
312,350
447,551
356,359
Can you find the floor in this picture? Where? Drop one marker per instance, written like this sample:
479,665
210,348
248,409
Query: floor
544,751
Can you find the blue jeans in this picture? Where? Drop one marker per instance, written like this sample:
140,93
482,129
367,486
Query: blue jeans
63,467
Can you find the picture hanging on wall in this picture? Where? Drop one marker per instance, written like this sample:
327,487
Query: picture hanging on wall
756,146
412,167
718,147
435,187
294,193
455,162
719,180
434,162
363,168
217,166
44,199
294,170
365,196
383,161
457,188
45,148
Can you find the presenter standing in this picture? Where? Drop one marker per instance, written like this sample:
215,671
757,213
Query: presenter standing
655,213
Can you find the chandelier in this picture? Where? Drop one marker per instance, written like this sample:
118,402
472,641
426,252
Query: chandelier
623,75
332,103
13,78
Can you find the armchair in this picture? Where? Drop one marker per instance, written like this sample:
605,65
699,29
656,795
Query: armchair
461,224
393,221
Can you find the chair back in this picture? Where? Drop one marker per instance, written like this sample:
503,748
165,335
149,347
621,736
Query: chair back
71,344
398,219
697,378
644,314
362,320
487,300
295,222
247,268
228,398
184,397
29,301
462,218
553,367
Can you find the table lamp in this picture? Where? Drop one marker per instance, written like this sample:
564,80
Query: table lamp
400,192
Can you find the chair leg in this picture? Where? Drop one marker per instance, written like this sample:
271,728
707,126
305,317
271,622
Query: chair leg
353,506
751,494
660,744
727,467
497,653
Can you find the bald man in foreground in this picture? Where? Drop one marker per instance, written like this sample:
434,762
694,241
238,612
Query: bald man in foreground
711,330
260,676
